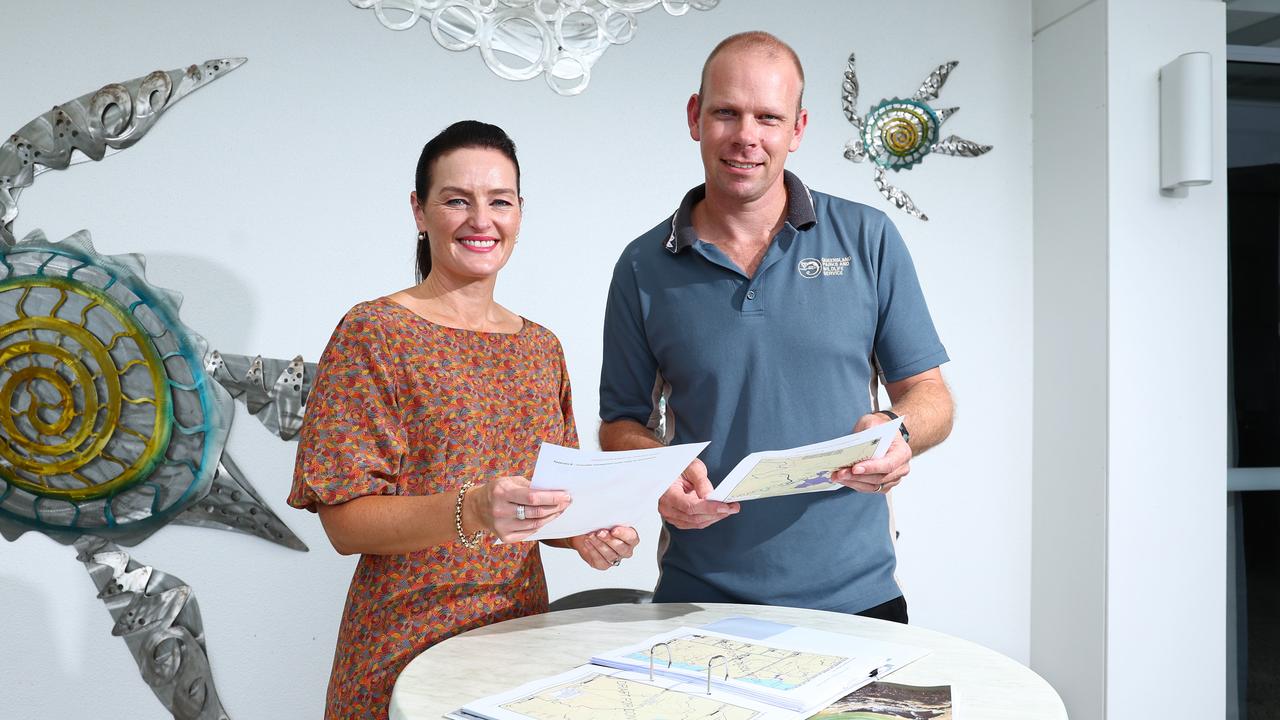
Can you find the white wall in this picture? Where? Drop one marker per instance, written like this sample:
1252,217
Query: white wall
1130,390
276,198
1068,559
1166,569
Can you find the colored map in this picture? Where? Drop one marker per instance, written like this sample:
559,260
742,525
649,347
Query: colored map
792,476
762,665
601,696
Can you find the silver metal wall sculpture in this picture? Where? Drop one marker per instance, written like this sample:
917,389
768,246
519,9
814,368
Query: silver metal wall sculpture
279,407
98,124
521,39
113,414
897,134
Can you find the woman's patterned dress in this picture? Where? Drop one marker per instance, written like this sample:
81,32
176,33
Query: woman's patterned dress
402,406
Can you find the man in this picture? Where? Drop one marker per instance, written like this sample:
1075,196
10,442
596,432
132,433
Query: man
758,317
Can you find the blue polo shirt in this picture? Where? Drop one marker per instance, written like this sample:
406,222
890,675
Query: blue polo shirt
697,351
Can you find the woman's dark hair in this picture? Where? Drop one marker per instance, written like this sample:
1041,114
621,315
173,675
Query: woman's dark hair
458,136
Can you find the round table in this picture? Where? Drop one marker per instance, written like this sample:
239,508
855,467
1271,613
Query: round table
491,659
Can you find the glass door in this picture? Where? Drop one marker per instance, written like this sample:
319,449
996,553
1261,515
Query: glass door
1253,196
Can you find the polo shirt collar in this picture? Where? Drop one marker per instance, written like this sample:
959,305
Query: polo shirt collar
800,212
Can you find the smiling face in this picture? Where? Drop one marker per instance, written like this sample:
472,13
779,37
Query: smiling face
747,122
471,213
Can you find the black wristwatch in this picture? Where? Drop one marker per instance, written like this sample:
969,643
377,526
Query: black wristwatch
906,435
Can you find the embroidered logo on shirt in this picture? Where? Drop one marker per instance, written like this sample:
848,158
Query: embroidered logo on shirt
813,267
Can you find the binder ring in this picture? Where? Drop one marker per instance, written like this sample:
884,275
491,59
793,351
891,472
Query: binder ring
655,647
711,663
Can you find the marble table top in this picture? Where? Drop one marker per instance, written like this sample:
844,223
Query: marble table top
985,684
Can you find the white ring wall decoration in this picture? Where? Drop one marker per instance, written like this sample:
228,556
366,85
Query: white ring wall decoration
521,39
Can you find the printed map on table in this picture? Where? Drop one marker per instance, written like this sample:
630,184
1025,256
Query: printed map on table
747,662
601,696
790,476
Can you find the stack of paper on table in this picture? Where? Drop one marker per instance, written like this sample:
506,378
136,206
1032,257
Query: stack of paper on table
790,674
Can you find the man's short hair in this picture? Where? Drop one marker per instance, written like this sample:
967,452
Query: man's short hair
757,41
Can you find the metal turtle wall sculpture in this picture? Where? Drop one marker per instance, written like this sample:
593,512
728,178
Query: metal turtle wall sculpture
898,134
113,415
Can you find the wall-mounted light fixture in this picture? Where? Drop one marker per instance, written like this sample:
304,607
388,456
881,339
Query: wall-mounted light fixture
1186,122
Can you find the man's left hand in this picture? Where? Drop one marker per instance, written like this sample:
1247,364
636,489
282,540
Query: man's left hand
881,474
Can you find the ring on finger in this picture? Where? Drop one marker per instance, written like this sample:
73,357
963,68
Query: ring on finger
878,489
617,562
520,512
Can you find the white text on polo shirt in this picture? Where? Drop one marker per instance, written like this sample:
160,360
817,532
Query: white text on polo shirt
813,267
834,266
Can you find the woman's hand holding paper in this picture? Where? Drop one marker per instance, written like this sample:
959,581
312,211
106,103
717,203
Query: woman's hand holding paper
510,509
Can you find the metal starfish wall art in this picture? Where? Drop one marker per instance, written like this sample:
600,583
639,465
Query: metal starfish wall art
897,134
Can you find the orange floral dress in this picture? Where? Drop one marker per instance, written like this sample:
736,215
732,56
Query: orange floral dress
402,406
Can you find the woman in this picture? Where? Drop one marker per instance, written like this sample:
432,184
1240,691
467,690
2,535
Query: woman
425,420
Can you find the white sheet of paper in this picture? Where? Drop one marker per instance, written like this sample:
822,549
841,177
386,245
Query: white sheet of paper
804,469
608,488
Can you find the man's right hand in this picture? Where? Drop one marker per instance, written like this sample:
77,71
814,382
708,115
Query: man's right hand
684,504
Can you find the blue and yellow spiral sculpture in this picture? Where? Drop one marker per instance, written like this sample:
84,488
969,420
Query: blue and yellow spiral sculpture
111,426
897,134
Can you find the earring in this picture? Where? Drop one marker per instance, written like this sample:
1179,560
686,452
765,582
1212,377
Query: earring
422,236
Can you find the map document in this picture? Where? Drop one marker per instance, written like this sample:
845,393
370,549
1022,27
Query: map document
591,692
799,669
772,672
804,469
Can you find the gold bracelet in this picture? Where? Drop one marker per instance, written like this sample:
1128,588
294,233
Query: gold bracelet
474,541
